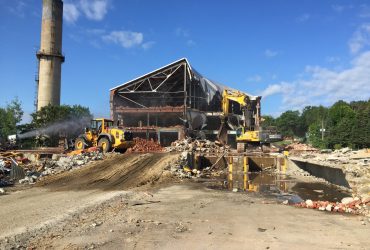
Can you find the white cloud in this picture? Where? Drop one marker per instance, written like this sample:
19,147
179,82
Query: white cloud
70,12
94,9
126,39
271,90
270,53
148,45
17,8
303,18
360,38
324,86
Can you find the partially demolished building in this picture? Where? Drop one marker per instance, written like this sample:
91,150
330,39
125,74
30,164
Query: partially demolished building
172,102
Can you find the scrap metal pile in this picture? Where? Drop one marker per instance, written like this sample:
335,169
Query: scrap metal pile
9,167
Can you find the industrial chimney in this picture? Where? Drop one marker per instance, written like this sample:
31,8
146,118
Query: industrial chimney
50,54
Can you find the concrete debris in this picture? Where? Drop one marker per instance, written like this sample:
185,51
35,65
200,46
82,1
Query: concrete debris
347,200
300,147
143,145
309,203
356,206
180,227
202,146
6,163
56,165
181,168
2,191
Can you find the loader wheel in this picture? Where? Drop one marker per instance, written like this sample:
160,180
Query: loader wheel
80,143
105,144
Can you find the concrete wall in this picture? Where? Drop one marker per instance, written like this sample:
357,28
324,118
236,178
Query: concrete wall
50,54
332,175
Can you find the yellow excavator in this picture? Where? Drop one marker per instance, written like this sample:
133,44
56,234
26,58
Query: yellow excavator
103,134
249,131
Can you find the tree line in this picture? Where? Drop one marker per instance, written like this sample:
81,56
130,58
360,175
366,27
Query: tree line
11,116
341,125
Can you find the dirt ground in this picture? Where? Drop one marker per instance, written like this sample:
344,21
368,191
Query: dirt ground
117,173
96,207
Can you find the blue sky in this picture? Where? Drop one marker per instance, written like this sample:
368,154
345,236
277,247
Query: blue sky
294,53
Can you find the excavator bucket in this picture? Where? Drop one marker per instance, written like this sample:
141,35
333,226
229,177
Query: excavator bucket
222,133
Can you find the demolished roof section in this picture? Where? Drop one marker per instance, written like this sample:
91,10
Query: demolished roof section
209,86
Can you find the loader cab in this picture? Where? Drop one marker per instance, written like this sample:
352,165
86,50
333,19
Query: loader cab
100,125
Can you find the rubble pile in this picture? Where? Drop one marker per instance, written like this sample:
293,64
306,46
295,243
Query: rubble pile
355,164
181,168
46,167
5,179
203,146
347,205
7,161
142,145
189,146
298,147
341,157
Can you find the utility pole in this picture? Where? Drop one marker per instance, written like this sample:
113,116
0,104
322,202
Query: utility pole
322,130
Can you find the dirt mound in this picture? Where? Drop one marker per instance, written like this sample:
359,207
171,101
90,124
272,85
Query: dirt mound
116,173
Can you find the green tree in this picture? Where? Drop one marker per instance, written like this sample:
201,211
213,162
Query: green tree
268,121
315,136
346,124
10,116
290,124
64,120
313,119
361,129
313,114
341,121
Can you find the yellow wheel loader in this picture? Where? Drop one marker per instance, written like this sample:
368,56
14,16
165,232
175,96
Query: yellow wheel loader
102,133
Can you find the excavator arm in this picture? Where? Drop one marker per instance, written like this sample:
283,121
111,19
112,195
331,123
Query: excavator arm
250,107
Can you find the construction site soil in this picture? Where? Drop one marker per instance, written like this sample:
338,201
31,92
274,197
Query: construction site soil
120,172
133,201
